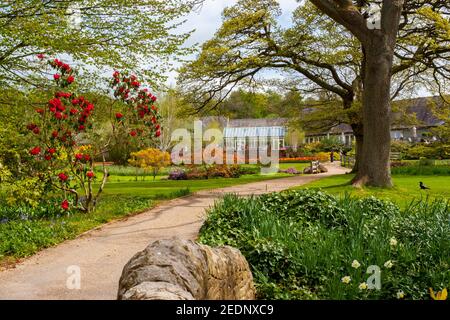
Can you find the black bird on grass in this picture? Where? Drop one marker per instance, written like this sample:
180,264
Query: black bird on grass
422,186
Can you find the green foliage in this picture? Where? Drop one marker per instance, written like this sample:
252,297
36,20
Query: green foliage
421,170
431,151
332,144
400,146
99,34
23,237
424,162
25,191
300,244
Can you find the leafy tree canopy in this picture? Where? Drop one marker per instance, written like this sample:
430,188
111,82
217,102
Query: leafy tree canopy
138,35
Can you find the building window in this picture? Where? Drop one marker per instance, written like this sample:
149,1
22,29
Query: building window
253,143
262,143
275,144
240,144
230,143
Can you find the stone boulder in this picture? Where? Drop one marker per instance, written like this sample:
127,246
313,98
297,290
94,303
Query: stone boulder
177,269
321,167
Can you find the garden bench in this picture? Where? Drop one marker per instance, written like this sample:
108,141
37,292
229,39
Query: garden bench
395,156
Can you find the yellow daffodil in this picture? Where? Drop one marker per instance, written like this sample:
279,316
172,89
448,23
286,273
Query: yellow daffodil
362,286
356,264
393,242
388,264
440,295
346,279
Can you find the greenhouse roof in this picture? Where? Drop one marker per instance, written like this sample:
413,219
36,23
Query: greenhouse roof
243,132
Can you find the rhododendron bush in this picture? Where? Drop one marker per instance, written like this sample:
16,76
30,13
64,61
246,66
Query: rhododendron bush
65,143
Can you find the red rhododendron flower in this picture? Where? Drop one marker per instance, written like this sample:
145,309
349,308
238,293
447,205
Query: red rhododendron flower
70,79
119,115
40,110
51,150
58,115
153,98
66,67
36,130
54,103
63,177
73,111
56,76
75,101
31,126
55,134
90,174
133,133
65,204
81,127
157,127
79,156
63,94
40,56
135,84
57,62
35,151
116,74
87,157
158,133
48,157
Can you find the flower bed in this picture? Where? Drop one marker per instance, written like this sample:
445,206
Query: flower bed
297,159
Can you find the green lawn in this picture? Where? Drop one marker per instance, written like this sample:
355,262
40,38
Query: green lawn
161,187
406,188
298,165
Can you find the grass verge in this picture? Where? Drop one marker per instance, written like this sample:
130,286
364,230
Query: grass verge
406,188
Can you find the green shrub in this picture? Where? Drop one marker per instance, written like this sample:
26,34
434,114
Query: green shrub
400,146
300,244
435,150
426,162
416,170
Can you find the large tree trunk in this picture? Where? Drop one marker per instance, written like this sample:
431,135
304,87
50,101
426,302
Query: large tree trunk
374,169
378,44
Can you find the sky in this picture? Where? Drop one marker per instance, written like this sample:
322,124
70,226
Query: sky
207,20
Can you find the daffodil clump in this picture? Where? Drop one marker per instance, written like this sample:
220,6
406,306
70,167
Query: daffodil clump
308,244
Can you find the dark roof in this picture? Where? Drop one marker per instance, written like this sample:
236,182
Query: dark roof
339,129
421,107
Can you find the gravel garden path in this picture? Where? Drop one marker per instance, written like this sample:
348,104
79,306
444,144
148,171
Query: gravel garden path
101,253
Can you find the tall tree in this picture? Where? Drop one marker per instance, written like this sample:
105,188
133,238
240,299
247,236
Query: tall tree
250,41
325,55
140,35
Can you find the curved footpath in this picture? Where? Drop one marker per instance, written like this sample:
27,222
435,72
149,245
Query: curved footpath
101,253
